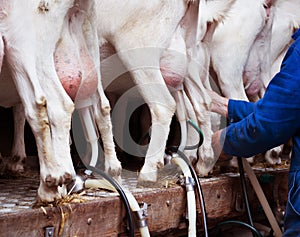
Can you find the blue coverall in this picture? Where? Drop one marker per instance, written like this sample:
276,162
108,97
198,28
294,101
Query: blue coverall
269,122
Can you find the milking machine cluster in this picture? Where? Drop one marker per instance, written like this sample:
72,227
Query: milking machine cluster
190,180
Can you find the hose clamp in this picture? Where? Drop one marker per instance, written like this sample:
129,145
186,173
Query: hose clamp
88,172
188,182
141,215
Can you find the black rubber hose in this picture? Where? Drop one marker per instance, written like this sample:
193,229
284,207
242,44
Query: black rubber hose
121,193
233,222
250,226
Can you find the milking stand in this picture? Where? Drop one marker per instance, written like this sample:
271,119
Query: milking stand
90,131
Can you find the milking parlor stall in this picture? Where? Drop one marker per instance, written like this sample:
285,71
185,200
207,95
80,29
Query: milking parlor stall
162,207
117,141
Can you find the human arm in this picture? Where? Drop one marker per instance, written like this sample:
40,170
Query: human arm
275,118
234,110
219,104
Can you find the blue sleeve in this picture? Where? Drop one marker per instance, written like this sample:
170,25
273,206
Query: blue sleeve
275,118
238,109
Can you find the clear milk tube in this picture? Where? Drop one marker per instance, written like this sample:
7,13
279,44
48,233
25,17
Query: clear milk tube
85,103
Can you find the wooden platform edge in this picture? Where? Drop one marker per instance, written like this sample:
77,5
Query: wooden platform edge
106,217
